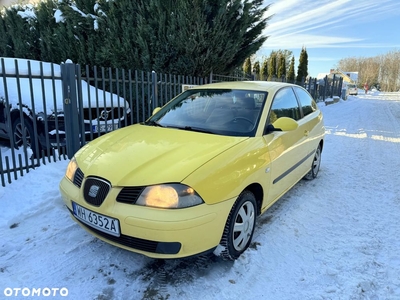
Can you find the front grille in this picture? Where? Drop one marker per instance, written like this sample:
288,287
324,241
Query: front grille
95,190
103,114
78,178
129,194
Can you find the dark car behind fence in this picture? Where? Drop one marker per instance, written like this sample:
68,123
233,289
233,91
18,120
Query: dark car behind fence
49,111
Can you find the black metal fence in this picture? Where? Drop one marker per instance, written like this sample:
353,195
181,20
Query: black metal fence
44,105
49,111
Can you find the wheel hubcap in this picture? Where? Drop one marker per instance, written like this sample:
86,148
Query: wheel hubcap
19,135
244,224
317,161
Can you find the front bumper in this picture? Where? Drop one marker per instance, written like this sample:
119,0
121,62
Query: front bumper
157,233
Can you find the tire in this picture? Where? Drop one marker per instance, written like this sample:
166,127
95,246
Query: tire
315,165
239,227
19,131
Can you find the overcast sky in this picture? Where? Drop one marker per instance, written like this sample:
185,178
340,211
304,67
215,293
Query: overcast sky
331,30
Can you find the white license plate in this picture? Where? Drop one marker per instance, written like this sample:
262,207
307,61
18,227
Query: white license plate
104,127
98,221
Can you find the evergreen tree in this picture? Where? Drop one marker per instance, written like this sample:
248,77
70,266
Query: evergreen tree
5,39
291,75
19,39
257,70
264,69
247,66
48,39
272,66
302,70
281,67
171,36
287,54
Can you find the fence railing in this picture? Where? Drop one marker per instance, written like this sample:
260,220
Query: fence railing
49,111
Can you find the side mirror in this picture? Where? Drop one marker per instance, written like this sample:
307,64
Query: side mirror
156,110
285,124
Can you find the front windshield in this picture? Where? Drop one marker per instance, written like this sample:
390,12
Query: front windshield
217,111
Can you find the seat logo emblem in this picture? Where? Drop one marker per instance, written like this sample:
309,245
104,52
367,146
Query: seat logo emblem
94,189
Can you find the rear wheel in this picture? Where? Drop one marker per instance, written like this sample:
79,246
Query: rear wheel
239,227
315,165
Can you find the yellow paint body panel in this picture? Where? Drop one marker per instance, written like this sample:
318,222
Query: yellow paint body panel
146,155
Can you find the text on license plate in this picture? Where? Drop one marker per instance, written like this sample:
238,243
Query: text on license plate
104,127
98,221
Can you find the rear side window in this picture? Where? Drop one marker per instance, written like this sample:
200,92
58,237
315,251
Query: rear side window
308,104
284,105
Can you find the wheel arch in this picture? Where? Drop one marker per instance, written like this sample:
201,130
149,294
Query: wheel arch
321,143
258,193
16,113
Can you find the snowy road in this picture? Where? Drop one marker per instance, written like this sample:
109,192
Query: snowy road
336,237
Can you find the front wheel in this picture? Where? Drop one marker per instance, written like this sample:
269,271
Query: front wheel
315,165
24,132
239,227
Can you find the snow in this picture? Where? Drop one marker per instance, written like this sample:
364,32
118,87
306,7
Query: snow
58,15
23,67
28,13
336,237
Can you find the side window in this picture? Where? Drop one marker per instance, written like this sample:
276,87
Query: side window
307,102
284,105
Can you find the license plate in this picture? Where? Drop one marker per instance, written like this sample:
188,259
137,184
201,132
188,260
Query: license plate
95,220
104,127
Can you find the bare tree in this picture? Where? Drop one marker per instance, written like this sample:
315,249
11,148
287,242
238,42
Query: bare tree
390,71
381,71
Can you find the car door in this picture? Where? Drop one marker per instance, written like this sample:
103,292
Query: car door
287,148
309,123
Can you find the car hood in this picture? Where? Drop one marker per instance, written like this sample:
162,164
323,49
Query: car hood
141,155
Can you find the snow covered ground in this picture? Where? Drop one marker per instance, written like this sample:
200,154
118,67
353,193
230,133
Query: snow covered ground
336,237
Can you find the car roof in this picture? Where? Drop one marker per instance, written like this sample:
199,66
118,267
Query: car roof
246,85
10,69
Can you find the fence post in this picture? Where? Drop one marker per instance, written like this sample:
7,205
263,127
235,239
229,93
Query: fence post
340,87
154,91
325,86
70,105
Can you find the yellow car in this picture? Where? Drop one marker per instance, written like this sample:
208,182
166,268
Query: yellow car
193,178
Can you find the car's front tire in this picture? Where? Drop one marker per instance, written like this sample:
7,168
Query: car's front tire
239,227
20,130
315,165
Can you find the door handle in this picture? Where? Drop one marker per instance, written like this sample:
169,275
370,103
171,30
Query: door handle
306,132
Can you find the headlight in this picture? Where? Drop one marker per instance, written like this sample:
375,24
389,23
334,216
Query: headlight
169,196
71,169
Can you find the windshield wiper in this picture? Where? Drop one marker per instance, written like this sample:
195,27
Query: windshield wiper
196,129
153,123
